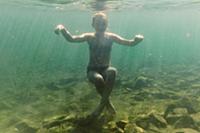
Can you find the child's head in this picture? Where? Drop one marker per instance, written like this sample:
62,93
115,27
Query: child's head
100,22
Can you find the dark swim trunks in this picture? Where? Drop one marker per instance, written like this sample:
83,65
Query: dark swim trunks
97,69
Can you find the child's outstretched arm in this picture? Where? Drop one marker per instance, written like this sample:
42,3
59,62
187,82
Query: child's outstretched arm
118,39
67,35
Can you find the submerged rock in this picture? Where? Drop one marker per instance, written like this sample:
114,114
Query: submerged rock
141,96
121,124
143,122
141,82
195,86
186,103
23,127
179,114
111,125
148,94
186,122
185,130
157,120
182,121
57,121
118,130
171,119
132,128
151,119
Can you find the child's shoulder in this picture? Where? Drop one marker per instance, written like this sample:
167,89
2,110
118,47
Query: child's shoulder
89,34
110,34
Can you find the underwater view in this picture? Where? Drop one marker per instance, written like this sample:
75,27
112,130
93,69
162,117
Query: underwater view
44,85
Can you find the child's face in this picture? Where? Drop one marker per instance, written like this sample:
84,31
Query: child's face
100,24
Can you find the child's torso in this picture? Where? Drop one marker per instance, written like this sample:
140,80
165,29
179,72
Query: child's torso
100,50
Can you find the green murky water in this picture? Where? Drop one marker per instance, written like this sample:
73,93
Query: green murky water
28,44
31,54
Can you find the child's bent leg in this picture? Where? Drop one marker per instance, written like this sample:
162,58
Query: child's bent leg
99,83
110,75
97,80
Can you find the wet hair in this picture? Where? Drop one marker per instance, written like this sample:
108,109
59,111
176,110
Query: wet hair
100,15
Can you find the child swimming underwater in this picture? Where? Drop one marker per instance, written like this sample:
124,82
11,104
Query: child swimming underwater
99,70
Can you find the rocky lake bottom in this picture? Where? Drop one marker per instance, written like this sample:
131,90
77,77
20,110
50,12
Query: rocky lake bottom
167,101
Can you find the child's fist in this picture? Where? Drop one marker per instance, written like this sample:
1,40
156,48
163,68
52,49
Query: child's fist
139,38
59,28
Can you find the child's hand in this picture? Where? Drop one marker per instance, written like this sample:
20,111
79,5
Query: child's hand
138,38
59,28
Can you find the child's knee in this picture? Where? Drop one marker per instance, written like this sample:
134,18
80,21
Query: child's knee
98,79
112,72
95,78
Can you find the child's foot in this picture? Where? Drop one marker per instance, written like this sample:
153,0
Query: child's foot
111,109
